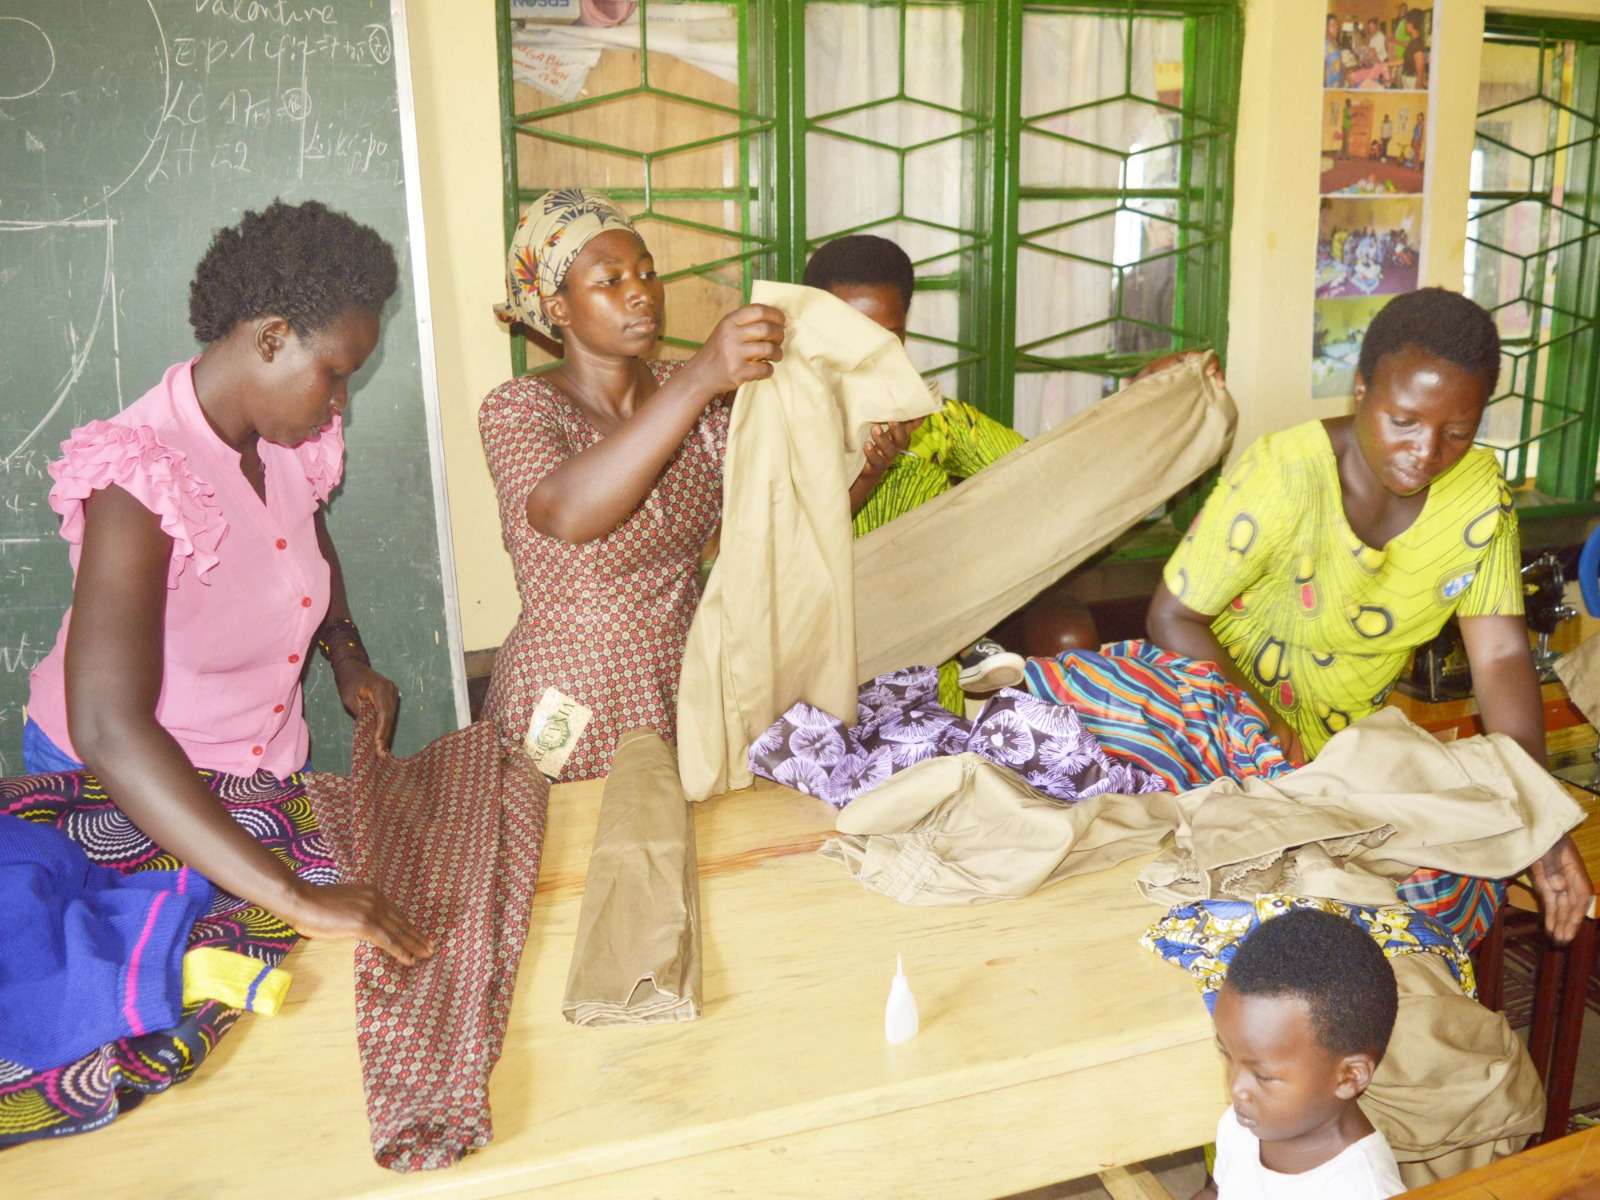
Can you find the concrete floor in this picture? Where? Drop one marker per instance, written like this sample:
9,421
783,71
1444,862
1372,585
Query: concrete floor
1181,1174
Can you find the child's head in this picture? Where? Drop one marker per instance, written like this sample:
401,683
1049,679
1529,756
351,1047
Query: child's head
871,274
1303,1019
1429,362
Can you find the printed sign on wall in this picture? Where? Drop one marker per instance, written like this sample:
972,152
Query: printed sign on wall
1376,66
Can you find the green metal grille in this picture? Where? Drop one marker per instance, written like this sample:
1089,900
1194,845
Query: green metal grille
966,189
1533,251
626,141
1158,185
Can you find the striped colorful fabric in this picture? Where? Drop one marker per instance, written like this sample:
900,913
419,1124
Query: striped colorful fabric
956,442
1176,718
1462,904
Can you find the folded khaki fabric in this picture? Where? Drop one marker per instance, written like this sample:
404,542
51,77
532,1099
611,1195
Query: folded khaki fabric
965,830
1382,799
636,959
1579,670
930,582
777,621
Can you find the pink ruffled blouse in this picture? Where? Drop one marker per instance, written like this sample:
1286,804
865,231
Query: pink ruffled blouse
247,584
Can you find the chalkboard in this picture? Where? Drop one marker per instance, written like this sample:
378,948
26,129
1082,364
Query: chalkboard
129,131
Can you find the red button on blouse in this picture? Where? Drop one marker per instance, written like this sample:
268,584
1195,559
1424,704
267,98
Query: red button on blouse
294,658
282,545
255,750
277,708
305,601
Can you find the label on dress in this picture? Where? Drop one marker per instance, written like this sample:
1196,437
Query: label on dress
553,730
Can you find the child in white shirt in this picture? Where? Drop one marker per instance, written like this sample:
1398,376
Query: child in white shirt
1302,1020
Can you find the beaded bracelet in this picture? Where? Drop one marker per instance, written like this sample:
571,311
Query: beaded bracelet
340,634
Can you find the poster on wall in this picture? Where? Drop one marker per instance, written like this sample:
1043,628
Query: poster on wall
1368,247
1377,63
1380,45
1336,332
1373,144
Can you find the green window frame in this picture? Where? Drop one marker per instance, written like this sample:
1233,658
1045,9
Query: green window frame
764,231
1533,259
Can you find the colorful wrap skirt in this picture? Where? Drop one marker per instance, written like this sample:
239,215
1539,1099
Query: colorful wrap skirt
89,1092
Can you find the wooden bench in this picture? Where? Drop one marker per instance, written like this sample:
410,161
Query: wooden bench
1556,1170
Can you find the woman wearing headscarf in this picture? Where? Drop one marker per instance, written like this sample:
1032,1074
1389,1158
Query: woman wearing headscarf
608,470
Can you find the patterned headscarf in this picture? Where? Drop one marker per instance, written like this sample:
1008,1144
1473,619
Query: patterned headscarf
550,234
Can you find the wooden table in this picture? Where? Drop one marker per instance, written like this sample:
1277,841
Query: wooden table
1052,1046
1557,1170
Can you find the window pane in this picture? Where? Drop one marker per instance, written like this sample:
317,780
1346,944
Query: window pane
1097,276
676,157
1531,243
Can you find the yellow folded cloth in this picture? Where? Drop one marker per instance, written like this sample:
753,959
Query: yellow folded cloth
237,980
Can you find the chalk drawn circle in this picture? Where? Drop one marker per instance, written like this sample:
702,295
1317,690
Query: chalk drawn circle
120,87
35,56
296,104
379,45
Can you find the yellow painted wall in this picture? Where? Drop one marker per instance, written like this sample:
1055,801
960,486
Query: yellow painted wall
1274,232
457,90
1275,180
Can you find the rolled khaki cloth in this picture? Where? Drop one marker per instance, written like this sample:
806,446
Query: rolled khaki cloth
636,960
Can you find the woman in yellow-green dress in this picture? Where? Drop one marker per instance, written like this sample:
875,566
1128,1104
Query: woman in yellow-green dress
1335,548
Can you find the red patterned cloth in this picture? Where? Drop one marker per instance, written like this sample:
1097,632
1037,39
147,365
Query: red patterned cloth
604,621
452,835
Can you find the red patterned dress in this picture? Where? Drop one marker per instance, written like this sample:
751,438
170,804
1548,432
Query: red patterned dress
604,621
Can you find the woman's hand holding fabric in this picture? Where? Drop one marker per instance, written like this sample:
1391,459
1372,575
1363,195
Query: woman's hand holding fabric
886,441
1564,889
355,910
359,684
742,347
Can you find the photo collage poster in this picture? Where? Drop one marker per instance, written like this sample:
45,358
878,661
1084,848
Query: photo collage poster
1376,67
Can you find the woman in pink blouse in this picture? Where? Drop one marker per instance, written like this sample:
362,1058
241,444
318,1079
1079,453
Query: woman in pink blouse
203,569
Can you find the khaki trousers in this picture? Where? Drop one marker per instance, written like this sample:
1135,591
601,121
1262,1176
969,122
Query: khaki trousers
796,610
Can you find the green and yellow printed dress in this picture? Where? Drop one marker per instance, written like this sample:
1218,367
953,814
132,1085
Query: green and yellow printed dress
1320,620
955,442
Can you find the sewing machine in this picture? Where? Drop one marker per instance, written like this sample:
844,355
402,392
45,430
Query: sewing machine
1439,670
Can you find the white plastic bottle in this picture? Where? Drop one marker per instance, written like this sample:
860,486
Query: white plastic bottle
900,1013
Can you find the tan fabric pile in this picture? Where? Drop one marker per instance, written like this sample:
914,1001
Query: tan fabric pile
1456,1089
1580,672
1382,799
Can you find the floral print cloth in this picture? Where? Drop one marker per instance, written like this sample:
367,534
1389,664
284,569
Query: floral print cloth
1203,937
899,722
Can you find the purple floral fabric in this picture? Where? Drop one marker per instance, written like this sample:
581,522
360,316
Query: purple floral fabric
899,722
